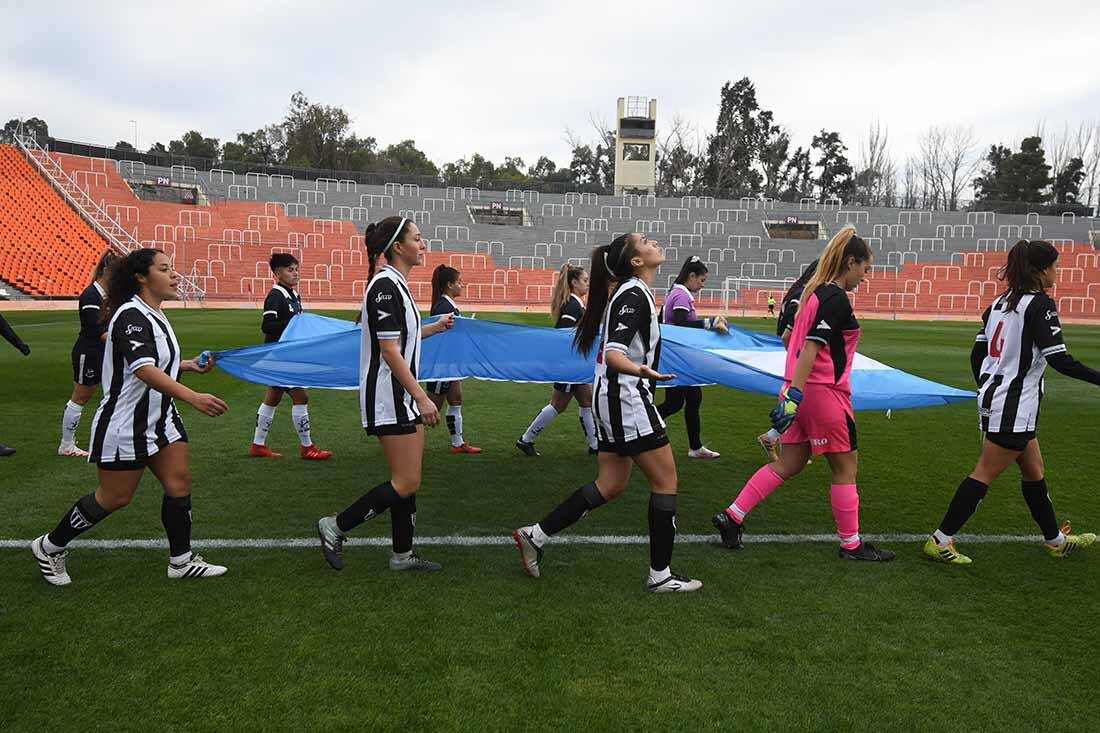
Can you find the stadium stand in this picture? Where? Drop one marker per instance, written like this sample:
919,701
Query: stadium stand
932,263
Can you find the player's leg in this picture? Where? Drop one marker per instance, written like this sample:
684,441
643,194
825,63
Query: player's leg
844,497
265,416
454,420
659,467
405,456
559,400
730,521
70,420
693,401
172,467
115,490
611,481
299,396
1058,540
674,401
583,393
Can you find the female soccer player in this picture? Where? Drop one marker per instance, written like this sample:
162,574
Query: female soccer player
814,414
393,406
631,430
282,303
679,310
137,424
784,325
87,354
567,310
446,286
12,338
1020,335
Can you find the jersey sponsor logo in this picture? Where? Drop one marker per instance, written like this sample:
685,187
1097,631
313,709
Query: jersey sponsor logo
625,310
819,441
824,326
1051,315
382,296
132,329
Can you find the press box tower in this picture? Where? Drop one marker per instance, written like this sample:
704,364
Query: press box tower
636,146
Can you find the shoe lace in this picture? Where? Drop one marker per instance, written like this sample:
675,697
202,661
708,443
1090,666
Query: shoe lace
196,560
57,562
1066,527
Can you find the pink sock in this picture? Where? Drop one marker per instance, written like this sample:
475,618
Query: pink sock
845,501
762,483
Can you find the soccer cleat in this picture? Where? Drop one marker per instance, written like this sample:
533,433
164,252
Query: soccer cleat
673,584
71,451
313,453
52,567
196,567
949,554
6,451
413,562
593,451
703,452
262,451
332,542
1071,543
527,448
771,447
530,554
465,448
866,552
730,529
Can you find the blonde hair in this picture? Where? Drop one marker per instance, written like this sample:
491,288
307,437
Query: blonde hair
563,286
831,265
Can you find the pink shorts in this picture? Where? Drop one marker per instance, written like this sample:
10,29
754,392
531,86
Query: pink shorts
825,421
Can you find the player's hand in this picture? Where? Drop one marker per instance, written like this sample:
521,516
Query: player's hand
429,413
208,404
646,373
203,365
25,349
447,322
785,411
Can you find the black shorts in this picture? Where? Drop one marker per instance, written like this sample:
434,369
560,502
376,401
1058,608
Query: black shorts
567,388
140,463
400,428
1011,441
653,441
439,387
87,363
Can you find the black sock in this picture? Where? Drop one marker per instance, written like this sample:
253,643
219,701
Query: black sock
175,515
368,506
1042,511
963,505
403,521
570,511
85,514
662,529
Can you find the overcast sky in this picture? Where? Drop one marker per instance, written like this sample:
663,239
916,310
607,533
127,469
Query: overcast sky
507,78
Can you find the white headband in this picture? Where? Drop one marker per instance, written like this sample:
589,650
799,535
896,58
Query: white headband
394,237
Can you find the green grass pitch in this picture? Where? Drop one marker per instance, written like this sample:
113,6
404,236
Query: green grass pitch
782,636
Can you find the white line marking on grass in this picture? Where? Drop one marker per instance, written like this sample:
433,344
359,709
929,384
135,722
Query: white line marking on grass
24,326
494,540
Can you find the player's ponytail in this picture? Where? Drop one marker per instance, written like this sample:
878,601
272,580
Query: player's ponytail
563,287
693,265
1021,271
122,283
834,259
610,265
380,237
106,261
801,281
442,278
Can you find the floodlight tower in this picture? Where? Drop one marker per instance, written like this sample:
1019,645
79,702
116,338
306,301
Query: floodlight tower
636,146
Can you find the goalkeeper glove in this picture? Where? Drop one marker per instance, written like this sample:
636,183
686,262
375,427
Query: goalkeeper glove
783,414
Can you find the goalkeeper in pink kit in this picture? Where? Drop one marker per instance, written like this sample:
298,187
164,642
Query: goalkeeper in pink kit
814,413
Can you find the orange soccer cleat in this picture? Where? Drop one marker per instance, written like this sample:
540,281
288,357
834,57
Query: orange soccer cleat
262,451
464,448
313,453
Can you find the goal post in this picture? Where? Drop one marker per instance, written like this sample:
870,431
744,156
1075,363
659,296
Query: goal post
748,296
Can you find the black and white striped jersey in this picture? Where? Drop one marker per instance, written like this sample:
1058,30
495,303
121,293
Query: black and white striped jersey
389,312
623,404
280,305
90,303
445,305
572,311
1010,385
133,420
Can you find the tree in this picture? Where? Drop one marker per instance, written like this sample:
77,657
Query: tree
265,146
158,149
39,127
1067,184
543,169
405,157
775,143
734,148
948,163
876,181
193,144
835,177
125,147
678,160
315,133
1020,176
585,166
988,186
797,176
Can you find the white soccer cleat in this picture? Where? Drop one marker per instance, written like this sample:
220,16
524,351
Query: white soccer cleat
196,567
530,554
52,567
673,584
71,451
413,562
703,452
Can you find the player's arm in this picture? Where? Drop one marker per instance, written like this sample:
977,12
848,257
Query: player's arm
627,316
443,323
1046,330
13,338
980,350
276,314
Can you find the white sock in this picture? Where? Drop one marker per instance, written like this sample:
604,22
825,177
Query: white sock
264,417
402,555
539,537
943,540
70,421
1057,541
181,559
545,417
656,576
454,424
589,426
300,415
50,547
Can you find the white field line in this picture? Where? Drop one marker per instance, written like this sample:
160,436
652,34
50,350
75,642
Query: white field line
488,541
